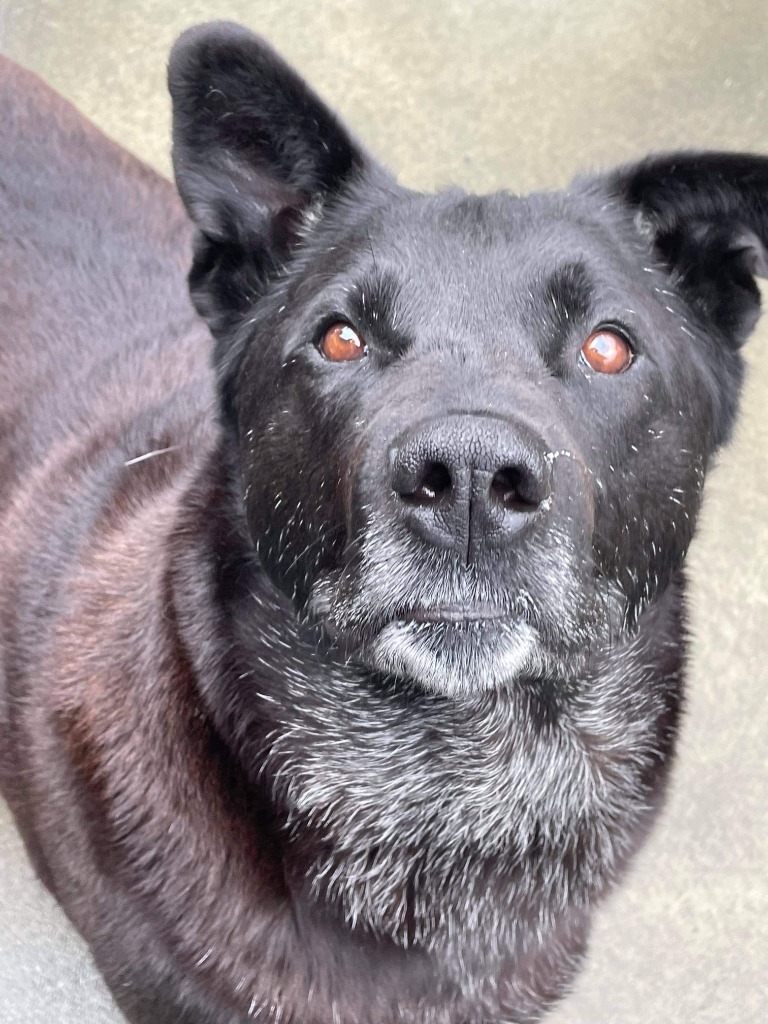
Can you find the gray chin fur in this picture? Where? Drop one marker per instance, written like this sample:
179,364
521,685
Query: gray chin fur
457,658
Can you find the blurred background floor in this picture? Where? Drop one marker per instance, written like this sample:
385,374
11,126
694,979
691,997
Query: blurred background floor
519,94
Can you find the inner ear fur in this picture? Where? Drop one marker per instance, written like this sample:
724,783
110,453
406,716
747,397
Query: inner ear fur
707,214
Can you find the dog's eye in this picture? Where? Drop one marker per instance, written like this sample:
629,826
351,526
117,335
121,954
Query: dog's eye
607,351
340,343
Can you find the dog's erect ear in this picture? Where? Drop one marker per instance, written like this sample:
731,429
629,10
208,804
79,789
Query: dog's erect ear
253,149
707,214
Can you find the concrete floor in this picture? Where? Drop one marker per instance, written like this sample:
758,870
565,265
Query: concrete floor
522,94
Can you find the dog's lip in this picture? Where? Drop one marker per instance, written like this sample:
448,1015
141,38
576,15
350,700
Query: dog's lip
453,614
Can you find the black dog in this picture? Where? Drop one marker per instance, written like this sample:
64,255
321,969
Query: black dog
349,704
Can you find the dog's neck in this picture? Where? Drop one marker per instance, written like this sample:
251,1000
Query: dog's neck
411,816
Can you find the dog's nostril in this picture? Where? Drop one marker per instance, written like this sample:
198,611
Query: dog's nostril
514,489
435,483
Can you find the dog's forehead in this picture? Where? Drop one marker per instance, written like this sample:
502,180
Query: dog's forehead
453,221
478,257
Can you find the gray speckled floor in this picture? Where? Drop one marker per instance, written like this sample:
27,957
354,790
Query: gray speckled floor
521,94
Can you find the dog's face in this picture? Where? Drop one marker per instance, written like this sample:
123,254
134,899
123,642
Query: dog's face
473,430
444,407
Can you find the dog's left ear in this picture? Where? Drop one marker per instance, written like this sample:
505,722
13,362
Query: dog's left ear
254,149
707,214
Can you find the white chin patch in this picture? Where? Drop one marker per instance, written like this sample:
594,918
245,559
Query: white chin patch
457,658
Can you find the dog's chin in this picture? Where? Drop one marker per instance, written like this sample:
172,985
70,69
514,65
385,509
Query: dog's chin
457,658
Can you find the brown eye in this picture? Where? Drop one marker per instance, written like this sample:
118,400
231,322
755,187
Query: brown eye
606,351
341,343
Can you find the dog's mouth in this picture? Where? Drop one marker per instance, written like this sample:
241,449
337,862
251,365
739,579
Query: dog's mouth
454,614
449,648
456,630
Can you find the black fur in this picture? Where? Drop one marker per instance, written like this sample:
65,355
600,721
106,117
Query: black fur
354,706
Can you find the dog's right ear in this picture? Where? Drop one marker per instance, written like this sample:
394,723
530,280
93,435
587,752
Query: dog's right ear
253,149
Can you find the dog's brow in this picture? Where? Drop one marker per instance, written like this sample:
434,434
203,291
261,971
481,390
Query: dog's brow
568,293
374,306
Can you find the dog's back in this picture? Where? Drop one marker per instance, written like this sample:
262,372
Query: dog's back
104,391
94,248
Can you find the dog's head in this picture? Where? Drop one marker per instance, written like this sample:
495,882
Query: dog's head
473,430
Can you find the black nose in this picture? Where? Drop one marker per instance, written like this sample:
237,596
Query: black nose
470,483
